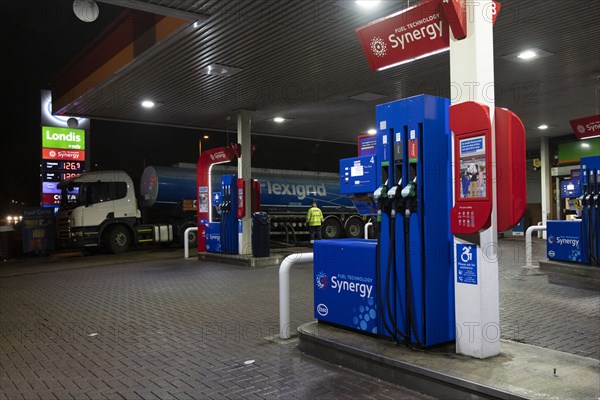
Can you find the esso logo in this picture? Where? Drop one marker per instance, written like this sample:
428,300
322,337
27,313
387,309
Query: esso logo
322,310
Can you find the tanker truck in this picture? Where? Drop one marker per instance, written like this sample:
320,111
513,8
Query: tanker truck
286,196
107,214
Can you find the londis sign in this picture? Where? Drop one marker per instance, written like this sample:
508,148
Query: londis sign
412,33
63,138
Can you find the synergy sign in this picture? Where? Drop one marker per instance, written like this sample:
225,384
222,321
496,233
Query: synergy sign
586,127
412,33
59,154
63,138
416,32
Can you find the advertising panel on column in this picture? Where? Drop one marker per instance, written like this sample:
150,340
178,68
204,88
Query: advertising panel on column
65,141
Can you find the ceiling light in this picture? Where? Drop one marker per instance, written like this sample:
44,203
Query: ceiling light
86,10
372,131
367,3
147,104
543,127
205,137
221,70
279,120
585,145
527,55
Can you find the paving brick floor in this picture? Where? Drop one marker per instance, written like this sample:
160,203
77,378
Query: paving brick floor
557,311
164,329
184,329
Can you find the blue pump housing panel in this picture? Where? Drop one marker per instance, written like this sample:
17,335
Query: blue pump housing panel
358,175
345,283
213,237
566,242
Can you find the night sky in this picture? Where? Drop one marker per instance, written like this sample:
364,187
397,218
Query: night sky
40,37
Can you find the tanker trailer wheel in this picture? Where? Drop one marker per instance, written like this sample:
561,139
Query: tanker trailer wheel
354,227
331,228
118,239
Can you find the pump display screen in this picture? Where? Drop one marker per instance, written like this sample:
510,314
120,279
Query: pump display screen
473,182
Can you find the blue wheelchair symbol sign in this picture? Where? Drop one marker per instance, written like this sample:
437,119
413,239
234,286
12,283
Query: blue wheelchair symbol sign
466,264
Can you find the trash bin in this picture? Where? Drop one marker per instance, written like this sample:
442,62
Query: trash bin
261,230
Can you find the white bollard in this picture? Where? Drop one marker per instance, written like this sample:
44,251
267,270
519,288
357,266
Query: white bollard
528,247
367,226
186,237
284,290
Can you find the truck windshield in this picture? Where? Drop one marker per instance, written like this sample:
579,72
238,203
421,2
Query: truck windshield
92,193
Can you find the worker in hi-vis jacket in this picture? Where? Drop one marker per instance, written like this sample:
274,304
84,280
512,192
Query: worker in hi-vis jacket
314,219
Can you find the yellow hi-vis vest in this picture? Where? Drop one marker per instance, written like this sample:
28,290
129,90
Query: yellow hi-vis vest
314,217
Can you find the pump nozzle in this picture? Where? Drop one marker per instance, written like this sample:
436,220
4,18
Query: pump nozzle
392,193
380,193
409,190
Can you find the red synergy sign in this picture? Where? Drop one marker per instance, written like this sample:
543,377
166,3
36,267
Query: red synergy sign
586,127
416,32
412,33
62,154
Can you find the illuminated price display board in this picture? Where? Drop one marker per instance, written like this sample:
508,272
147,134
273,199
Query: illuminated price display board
63,157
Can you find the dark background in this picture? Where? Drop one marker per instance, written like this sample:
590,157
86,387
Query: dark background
40,38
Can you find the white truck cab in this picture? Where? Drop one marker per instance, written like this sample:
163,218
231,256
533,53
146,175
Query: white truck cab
105,213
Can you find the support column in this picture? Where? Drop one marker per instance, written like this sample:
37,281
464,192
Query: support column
472,79
546,181
244,172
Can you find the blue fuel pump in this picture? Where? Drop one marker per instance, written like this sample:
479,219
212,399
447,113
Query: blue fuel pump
590,219
416,270
229,221
579,240
410,267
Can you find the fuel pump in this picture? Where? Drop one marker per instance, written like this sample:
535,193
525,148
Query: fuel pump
596,213
401,286
595,240
587,176
590,173
229,209
578,240
415,230
592,231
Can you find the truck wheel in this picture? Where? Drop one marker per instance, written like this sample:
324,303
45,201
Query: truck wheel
354,227
118,239
332,228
